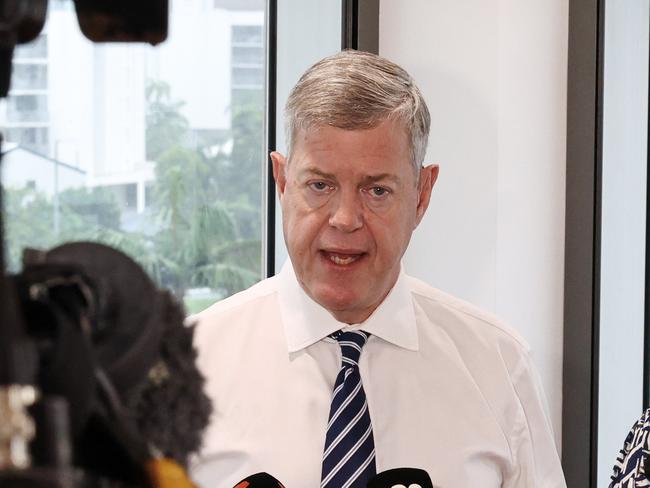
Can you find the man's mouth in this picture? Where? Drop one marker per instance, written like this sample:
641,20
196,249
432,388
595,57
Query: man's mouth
343,259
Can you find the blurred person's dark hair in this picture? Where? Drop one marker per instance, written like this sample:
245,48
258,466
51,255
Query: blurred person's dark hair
115,348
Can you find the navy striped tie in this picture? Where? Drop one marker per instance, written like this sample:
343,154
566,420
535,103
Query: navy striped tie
349,457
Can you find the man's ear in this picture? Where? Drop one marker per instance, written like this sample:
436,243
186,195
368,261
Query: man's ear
279,171
428,177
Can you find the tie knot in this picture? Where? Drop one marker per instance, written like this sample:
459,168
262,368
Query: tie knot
351,344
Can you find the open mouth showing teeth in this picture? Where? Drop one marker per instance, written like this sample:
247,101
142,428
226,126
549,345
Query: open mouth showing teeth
343,259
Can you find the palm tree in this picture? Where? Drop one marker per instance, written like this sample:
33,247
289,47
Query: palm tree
198,232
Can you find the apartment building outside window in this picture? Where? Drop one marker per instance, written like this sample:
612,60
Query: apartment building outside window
157,151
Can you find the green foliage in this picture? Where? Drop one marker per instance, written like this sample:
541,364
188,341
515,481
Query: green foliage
181,176
94,205
197,230
194,201
205,210
241,174
82,212
29,223
166,126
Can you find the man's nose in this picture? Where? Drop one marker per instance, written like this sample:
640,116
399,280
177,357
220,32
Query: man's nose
347,212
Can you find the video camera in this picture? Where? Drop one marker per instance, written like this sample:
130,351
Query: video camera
98,382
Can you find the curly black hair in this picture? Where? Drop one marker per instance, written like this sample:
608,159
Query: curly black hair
171,409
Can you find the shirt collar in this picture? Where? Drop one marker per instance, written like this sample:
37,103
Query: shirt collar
306,322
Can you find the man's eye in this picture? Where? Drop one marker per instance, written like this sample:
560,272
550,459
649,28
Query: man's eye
319,186
378,191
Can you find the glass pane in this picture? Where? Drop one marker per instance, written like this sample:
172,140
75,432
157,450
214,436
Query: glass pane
248,77
251,56
26,76
27,108
158,151
247,34
32,138
623,225
35,49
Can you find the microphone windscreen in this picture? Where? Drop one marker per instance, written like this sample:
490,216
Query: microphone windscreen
401,476
259,480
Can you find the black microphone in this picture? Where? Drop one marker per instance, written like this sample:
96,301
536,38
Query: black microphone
401,476
259,480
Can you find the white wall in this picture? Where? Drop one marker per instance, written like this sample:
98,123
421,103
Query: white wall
494,74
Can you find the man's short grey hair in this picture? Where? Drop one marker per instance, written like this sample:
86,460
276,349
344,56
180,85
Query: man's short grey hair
356,90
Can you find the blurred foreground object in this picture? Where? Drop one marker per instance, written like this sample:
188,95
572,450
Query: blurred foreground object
123,20
113,352
21,21
98,385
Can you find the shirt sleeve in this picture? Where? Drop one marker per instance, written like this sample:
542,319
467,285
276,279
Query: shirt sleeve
536,462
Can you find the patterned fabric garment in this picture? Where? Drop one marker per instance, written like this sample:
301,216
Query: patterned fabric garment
349,457
631,463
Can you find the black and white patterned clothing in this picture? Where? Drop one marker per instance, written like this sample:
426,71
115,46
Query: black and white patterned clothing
631,462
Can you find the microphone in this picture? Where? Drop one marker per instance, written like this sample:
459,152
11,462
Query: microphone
401,477
259,480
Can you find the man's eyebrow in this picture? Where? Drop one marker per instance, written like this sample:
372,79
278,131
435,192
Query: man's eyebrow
313,170
381,177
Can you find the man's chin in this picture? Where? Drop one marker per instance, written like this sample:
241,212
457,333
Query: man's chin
344,307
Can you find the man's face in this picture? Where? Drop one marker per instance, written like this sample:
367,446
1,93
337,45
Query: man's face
350,202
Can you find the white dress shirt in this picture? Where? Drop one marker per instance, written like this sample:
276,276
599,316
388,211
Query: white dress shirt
450,389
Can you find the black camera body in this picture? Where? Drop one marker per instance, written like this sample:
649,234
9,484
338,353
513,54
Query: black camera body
98,382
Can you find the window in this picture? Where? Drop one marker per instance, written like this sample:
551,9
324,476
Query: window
29,76
33,138
160,152
247,34
27,108
35,49
247,56
248,78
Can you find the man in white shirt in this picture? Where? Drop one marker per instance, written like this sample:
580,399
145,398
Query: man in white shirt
430,383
